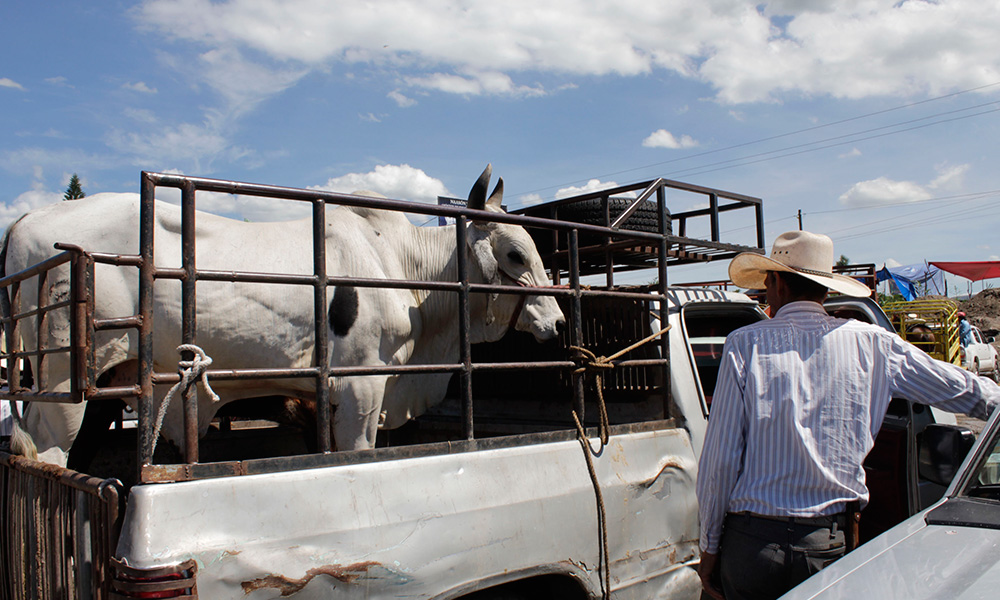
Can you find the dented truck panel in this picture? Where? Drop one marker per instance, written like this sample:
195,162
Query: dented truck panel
432,526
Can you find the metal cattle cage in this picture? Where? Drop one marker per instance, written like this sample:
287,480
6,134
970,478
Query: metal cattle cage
562,252
75,523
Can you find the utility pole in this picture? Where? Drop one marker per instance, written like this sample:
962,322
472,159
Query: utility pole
800,219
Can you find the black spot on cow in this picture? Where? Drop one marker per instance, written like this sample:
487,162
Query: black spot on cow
343,310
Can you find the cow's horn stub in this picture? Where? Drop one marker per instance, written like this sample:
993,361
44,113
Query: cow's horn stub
477,195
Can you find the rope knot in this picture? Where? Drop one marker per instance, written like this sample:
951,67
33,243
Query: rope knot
586,360
191,372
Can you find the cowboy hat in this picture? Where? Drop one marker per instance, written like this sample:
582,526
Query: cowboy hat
801,252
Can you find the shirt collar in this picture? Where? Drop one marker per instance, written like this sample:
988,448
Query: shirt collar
800,307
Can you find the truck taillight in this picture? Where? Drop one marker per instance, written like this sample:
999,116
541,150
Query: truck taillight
173,581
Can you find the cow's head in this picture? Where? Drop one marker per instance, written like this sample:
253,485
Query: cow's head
506,254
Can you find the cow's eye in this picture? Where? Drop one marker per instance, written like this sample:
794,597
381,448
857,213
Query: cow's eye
515,257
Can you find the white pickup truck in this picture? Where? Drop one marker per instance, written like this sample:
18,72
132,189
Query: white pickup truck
491,495
980,356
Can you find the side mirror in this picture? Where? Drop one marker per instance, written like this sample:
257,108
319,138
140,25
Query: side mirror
990,340
940,451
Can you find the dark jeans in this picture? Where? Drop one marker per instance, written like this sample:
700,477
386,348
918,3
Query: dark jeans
763,558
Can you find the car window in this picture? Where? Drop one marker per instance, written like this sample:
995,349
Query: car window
986,482
707,327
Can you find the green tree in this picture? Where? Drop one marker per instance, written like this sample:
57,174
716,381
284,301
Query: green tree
843,261
74,191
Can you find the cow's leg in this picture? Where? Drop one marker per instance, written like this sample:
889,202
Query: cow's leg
358,401
99,416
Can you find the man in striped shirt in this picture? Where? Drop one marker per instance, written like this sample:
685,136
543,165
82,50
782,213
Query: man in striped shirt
799,400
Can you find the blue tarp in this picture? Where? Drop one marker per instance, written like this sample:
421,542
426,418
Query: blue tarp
913,281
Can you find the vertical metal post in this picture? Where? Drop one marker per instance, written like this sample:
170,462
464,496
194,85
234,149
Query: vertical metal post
576,309
189,306
13,331
760,224
41,377
661,265
464,325
322,332
713,200
663,222
81,289
609,259
147,270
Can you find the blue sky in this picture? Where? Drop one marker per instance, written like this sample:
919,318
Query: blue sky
876,119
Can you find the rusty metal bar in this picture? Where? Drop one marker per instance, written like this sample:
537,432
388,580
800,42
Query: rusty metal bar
12,331
132,322
56,521
117,260
147,268
189,316
83,376
41,377
110,393
464,326
41,310
654,186
576,309
34,270
323,410
62,397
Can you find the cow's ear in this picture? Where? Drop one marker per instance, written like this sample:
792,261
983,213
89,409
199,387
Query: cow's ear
482,253
477,195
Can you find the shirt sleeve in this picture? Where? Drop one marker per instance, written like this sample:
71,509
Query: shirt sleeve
722,455
919,378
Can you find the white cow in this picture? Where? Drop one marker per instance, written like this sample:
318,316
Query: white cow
243,325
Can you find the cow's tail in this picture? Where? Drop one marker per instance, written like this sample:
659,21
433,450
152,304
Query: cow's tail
20,441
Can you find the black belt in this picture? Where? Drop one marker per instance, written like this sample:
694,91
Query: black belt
839,519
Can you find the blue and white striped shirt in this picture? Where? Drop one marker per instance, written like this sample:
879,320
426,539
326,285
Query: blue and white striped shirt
798,403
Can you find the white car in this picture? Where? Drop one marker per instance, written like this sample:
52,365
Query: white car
980,356
946,552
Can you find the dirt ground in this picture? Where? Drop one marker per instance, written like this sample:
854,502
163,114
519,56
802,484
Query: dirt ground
983,310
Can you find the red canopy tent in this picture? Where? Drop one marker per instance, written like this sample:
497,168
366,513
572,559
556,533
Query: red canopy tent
974,270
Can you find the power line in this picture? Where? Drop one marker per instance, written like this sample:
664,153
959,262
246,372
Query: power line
774,137
704,170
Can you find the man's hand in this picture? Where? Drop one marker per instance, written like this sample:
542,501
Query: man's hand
707,571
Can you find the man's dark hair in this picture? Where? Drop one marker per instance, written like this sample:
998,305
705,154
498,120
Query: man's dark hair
800,288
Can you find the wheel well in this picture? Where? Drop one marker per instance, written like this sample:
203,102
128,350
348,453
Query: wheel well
541,587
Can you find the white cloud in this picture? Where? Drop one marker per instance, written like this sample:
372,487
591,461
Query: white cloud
745,50
594,185
401,182
475,84
12,210
951,178
184,144
888,191
854,152
370,118
10,83
139,86
401,100
883,191
892,263
661,138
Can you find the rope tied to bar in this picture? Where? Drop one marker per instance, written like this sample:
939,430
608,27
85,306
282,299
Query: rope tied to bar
588,362
191,372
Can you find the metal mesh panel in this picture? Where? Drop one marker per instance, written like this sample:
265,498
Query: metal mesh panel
58,528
